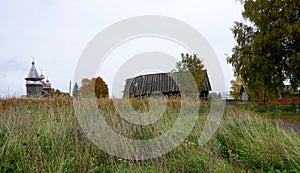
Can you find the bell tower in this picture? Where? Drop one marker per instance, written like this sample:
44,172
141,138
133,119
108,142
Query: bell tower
34,85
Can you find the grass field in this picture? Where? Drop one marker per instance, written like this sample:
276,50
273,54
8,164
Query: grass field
277,111
45,136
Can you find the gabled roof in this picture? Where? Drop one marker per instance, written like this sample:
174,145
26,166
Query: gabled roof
164,82
33,75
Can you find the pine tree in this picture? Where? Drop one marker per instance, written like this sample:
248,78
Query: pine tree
75,90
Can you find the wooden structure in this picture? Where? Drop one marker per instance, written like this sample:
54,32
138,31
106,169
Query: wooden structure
243,94
35,86
165,83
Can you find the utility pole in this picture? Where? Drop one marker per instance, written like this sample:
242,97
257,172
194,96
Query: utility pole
70,84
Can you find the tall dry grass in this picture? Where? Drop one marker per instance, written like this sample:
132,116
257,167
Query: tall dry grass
43,135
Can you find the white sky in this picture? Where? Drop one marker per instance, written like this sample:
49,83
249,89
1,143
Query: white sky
55,32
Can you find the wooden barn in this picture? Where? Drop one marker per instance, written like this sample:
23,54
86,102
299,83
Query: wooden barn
166,83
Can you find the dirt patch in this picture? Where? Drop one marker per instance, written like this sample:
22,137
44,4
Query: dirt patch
288,125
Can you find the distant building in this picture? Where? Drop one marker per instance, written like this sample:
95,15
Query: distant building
165,83
243,94
288,91
35,86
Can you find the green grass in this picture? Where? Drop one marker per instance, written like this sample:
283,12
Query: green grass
286,115
276,111
44,136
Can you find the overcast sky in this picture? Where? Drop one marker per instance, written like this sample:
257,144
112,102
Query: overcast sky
55,32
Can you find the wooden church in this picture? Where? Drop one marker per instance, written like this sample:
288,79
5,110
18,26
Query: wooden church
35,84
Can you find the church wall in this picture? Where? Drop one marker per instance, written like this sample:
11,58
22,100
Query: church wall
34,90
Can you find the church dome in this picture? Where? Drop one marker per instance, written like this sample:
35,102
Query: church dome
33,75
48,84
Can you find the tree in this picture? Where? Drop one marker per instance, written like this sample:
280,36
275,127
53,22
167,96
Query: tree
75,90
194,65
58,93
96,85
236,86
101,89
268,46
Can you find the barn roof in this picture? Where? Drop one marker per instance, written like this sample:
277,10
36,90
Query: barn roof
160,82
